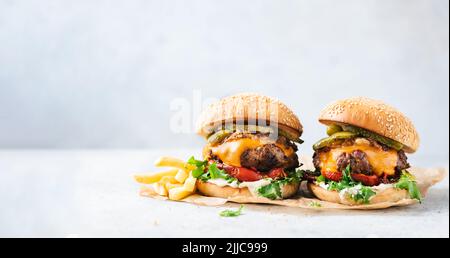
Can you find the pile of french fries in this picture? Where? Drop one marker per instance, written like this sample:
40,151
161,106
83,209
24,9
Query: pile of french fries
176,183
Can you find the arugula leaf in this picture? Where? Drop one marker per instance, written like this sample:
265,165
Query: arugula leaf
198,172
232,213
315,204
201,165
214,171
346,181
363,193
273,190
321,179
346,174
408,182
293,176
205,172
197,163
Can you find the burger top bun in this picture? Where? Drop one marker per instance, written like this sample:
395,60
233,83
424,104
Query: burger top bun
248,107
375,116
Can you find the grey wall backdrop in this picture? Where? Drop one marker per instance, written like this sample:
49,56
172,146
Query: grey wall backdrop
101,74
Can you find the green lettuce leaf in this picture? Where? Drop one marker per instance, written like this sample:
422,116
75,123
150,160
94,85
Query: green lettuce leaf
408,182
273,190
363,194
205,171
232,213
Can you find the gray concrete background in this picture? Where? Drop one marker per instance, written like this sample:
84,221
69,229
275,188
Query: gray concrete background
101,74
89,194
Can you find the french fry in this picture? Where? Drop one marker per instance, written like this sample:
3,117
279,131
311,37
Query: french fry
176,183
178,193
168,179
160,189
155,177
181,175
189,184
171,185
173,162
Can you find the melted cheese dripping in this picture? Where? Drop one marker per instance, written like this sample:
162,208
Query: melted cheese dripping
380,160
230,152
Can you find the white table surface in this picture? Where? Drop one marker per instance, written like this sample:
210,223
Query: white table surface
92,194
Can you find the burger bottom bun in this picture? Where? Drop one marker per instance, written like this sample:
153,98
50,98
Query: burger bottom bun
386,195
226,192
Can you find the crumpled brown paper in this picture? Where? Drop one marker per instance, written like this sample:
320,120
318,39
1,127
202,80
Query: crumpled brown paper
425,179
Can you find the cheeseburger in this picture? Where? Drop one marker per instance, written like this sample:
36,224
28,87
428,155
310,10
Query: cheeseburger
251,148
363,160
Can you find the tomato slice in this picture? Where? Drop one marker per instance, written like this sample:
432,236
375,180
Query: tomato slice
277,173
243,174
249,175
333,176
366,180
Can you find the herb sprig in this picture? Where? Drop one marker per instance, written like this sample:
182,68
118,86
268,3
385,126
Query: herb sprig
206,171
362,194
274,191
232,213
408,182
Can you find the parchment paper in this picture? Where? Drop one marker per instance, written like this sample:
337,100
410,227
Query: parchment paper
426,177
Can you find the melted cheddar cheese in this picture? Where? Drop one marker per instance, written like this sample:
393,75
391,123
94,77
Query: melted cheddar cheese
381,161
230,152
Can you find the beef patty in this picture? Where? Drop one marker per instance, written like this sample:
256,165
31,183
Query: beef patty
266,157
358,160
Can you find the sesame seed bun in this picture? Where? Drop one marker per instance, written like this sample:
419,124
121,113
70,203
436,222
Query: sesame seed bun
385,195
212,190
248,107
375,116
